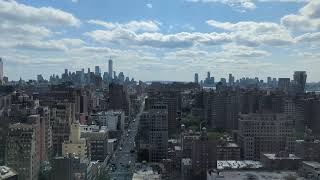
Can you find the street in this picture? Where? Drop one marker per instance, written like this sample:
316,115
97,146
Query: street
122,163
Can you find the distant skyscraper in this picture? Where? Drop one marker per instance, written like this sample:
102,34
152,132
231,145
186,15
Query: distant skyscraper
97,71
300,78
231,79
284,84
269,81
223,80
110,68
196,78
208,75
1,71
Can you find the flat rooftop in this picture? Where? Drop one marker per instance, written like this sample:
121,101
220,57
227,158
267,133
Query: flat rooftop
312,164
6,172
186,161
246,164
258,175
146,174
273,156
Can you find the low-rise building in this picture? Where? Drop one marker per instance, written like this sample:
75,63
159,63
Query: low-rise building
76,145
146,174
7,173
253,175
68,168
98,142
111,145
308,148
186,169
228,151
310,170
113,119
239,165
280,161
265,133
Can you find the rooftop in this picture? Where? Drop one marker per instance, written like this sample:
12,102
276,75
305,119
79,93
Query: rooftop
6,172
260,175
177,148
274,156
246,164
186,161
112,140
312,163
228,144
146,174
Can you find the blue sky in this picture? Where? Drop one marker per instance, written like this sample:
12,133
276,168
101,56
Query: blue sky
161,39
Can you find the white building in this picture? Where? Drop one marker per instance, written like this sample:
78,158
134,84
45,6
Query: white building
146,174
113,120
89,128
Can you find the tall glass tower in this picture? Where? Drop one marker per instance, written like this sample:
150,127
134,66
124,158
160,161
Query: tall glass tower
110,68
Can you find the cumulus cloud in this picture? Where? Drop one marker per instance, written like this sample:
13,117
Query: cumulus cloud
11,11
285,1
312,9
251,33
149,26
159,40
244,4
308,18
309,37
51,45
14,31
243,33
234,50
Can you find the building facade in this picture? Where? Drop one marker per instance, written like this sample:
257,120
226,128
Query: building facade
265,133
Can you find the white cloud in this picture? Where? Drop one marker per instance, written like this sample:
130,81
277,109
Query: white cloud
244,4
107,25
148,26
243,33
312,9
308,18
11,11
159,40
300,23
21,32
233,50
286,1
74,1
149,5
142,26
51,45
309,37
251,33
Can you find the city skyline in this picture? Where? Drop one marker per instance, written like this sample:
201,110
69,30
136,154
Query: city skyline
167,40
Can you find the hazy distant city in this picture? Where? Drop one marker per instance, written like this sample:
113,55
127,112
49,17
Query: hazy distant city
160,90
